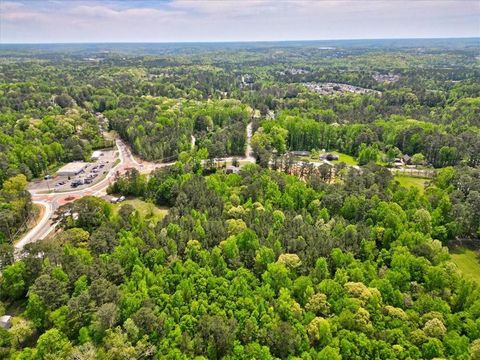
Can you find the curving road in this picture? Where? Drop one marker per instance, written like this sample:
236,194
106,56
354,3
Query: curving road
43,224
53,200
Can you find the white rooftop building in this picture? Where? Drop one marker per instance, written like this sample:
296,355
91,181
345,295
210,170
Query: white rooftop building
72,169
96,155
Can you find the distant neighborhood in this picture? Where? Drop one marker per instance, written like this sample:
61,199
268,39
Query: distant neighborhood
338,88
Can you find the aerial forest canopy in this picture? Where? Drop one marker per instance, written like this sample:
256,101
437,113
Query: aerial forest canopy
252,265
323,249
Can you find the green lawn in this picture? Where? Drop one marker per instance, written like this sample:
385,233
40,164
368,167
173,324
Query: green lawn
347,159
410,181
147,210
468,263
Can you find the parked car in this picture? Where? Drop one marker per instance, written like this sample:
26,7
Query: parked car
76,183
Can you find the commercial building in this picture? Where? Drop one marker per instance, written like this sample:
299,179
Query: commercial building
72,169
96,155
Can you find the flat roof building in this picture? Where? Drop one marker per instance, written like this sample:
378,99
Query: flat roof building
71,169
96,155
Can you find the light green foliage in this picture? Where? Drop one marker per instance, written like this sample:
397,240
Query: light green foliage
412,182
319,332
53,345
467,261
269,274
296,262
15,209
367,154
290,260
434,328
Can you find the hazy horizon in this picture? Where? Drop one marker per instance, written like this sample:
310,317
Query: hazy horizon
241,41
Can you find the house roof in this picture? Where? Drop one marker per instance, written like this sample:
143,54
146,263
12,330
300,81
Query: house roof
5,321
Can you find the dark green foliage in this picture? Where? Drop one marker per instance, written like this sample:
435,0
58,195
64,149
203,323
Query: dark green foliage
15,212
237,268
336,263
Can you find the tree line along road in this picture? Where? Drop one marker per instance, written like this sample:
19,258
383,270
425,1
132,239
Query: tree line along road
52,201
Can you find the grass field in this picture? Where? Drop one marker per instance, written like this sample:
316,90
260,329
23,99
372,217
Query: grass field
410,181
347,159
468,263
147,210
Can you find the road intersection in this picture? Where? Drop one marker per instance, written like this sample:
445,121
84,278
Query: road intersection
51,201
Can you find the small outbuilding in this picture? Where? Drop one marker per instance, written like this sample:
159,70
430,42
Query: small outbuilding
329,157
72,169
5,321
407,159
232,169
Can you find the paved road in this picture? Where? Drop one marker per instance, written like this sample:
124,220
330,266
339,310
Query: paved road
53,200
40,228
248,149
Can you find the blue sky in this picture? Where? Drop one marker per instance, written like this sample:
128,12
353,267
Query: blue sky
46,21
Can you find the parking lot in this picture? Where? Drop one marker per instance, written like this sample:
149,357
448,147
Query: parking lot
90,174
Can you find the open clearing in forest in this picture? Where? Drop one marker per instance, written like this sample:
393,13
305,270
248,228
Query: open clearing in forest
410,181
347,159
146,209
468,262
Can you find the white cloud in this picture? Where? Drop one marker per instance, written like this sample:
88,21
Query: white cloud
215,20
